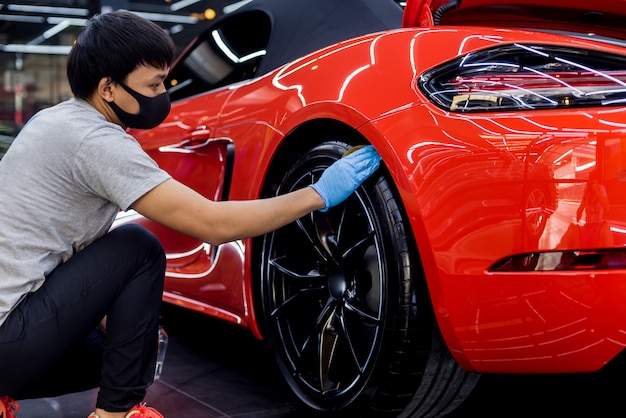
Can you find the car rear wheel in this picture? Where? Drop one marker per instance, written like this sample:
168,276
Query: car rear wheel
536,212
346,309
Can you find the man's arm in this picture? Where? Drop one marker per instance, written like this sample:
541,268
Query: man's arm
180,208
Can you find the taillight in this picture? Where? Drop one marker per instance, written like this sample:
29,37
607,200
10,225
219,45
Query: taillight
527,77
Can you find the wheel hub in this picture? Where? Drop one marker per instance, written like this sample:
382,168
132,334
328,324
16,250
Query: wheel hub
338,286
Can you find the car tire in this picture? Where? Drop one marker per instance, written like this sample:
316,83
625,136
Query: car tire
346,309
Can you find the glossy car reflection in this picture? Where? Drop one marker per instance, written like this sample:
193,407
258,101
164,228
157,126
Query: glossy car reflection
467,252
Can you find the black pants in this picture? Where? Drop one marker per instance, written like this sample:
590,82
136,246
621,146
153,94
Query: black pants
49,345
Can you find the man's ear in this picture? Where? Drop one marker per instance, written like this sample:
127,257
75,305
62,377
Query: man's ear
105,89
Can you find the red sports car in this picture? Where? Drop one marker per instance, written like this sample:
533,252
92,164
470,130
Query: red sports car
491,240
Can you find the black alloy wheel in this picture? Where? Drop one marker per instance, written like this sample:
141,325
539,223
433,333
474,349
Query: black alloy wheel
346,309
536,212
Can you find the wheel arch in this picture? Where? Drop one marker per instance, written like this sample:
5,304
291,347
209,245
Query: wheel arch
296,143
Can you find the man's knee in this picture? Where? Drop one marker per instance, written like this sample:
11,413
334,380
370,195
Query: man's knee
139,236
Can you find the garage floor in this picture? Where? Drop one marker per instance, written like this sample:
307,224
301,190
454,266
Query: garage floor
215,370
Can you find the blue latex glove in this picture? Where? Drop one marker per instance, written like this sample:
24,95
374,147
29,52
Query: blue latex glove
343,177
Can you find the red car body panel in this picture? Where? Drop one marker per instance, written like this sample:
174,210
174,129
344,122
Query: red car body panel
601,17
466,215
495,322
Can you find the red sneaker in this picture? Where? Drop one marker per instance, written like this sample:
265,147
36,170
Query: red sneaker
139,411
142,411
8,406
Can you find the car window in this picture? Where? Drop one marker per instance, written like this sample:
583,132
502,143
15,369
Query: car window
5,142
226,53
527,77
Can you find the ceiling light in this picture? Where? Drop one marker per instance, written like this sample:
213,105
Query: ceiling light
53,20
19,18
234,6
37,49
48,9
182,4
56,29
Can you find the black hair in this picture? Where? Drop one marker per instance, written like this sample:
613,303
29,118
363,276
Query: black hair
113,45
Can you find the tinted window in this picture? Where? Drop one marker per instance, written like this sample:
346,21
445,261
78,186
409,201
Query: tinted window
228,52
526,77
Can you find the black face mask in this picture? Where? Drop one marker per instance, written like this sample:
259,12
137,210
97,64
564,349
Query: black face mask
152,110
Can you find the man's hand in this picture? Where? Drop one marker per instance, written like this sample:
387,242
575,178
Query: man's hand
102,326
345,175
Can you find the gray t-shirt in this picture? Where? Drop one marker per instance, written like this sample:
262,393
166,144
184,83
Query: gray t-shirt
62,182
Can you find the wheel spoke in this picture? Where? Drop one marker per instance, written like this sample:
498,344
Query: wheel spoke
367,317
299,285
350,343
326,234
356,250
285,269
327,346
292,301
316,244
320,323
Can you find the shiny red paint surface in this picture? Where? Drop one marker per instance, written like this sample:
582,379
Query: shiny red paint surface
469,214
466,183
601,17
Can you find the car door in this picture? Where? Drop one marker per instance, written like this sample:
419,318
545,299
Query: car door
183,145
187,147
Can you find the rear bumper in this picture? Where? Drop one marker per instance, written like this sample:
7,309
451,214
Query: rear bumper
539,322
